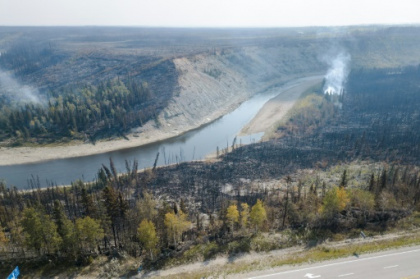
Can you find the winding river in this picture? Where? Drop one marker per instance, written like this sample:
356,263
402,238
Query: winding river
193,145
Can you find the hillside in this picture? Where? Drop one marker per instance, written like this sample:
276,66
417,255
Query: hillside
191,77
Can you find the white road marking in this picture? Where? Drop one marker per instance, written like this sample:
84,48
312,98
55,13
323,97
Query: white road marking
310,275
339,263
344,275
391,266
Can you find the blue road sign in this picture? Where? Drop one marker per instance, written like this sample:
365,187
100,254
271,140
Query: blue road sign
15,273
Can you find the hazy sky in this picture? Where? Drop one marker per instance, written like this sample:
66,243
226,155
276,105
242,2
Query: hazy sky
208,13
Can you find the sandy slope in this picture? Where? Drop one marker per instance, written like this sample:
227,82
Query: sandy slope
200,100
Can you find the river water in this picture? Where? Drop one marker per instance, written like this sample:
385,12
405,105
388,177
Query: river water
193,145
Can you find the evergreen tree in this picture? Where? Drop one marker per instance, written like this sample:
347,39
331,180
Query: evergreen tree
112,208
343,182
66,230
89,208
371,186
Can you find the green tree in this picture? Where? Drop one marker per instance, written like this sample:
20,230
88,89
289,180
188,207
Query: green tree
89,232
87,202
343,182
232,216
112,208
40,231
258,215
364,200
146,207
372,183
66,230
147,236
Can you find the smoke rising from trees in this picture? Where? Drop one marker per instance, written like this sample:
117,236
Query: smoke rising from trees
337,73
18,93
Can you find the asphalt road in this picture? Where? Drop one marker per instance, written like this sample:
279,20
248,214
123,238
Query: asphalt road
396,264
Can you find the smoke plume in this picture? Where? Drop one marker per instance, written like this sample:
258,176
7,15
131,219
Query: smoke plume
337,72
17,93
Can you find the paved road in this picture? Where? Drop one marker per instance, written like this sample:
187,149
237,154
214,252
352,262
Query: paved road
397,264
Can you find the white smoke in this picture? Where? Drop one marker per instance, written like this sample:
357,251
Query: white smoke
18,93
337,73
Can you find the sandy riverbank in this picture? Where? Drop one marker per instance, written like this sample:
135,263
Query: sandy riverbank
148,134
22,155
276,108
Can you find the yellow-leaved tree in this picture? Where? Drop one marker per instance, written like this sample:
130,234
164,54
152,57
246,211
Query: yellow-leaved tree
232,216
147,236
175,225
335,201
258,215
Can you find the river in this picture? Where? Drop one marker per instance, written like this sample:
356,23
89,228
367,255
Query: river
193,145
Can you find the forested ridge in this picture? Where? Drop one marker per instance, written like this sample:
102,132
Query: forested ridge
110,108
196,210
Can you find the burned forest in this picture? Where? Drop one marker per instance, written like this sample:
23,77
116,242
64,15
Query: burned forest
301,181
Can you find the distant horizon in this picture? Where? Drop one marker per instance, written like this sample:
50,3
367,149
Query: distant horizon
223,27
208,14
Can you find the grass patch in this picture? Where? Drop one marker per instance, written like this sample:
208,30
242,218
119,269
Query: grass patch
208,251
262,243
317,254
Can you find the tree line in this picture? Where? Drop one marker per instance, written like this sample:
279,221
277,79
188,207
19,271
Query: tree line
122,213
111,108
